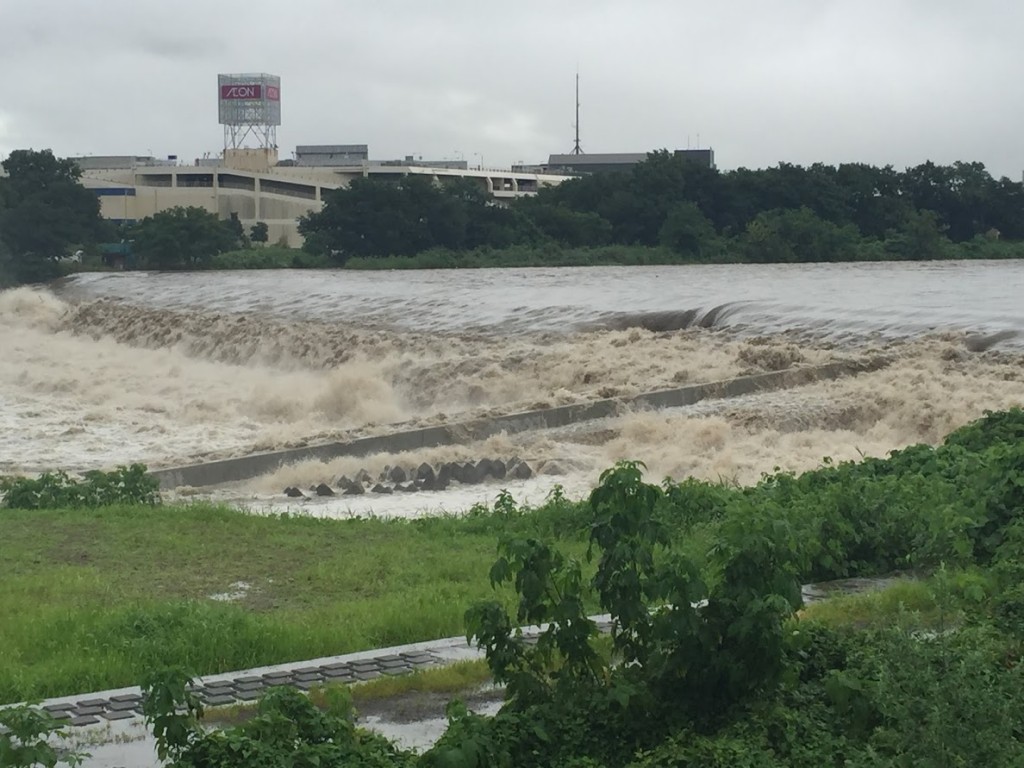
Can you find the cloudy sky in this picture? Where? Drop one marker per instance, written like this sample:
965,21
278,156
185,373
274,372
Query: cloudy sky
760,81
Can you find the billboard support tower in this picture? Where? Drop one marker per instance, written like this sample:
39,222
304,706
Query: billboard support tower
577,149
249,108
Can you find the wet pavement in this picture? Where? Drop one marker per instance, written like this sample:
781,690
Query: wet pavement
109,726
249,685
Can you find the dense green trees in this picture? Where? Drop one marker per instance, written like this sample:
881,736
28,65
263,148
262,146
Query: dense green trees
783,213
406,217
666,208
687,231
259,232
918,236
44,214
784,235
965,199
183,238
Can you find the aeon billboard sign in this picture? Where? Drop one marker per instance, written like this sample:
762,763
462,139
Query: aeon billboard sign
249,99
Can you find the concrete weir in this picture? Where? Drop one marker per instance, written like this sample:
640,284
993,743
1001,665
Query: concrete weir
254,465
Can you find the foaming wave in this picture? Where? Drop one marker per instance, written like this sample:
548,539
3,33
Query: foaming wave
667,320
31,308
930,389
440,373
305,474
353,394
102,382
77,402
223,337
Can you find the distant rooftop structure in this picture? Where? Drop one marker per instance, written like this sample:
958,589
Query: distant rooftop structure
618,161
328,155
419,162
355,155
120,162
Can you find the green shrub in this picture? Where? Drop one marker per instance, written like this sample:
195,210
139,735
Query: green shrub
288,730
58,490
25,739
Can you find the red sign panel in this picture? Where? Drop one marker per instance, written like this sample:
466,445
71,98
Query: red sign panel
253,91
273,93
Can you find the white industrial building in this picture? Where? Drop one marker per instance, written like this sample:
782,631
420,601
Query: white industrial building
252,184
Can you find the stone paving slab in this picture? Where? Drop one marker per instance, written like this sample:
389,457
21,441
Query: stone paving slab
95,709
119,715
123,706
246,686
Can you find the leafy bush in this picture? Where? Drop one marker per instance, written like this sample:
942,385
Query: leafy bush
57,490
949,699
684,652
25,734
994,428
183,238
288,729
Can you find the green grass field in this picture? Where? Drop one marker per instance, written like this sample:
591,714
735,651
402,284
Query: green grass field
93,599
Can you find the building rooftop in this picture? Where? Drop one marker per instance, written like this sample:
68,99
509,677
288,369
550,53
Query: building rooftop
600,158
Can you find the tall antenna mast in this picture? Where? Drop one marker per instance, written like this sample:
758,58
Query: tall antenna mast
576,148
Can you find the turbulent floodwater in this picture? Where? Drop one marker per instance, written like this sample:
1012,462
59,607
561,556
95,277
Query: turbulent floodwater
172,368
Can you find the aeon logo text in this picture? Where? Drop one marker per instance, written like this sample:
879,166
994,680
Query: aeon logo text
253,91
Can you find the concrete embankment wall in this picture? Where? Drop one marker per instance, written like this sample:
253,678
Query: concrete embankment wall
245,467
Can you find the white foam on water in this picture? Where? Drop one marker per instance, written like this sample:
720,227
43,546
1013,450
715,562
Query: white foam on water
95,385
455,500
157,371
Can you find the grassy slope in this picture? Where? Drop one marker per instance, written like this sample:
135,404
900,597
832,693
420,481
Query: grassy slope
519,256
92,598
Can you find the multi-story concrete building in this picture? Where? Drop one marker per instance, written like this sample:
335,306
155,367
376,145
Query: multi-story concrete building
254,186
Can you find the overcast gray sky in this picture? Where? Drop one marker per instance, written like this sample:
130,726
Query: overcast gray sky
878,81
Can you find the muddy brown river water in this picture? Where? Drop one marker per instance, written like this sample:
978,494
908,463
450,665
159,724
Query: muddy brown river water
174,368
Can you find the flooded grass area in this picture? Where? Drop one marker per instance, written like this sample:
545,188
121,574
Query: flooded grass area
91,599
411,710
421,694
936,603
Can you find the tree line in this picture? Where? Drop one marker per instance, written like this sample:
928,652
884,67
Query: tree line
665,208
44,210
46,216
780,214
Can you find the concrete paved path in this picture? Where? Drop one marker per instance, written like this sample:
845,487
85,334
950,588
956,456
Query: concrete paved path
250,684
